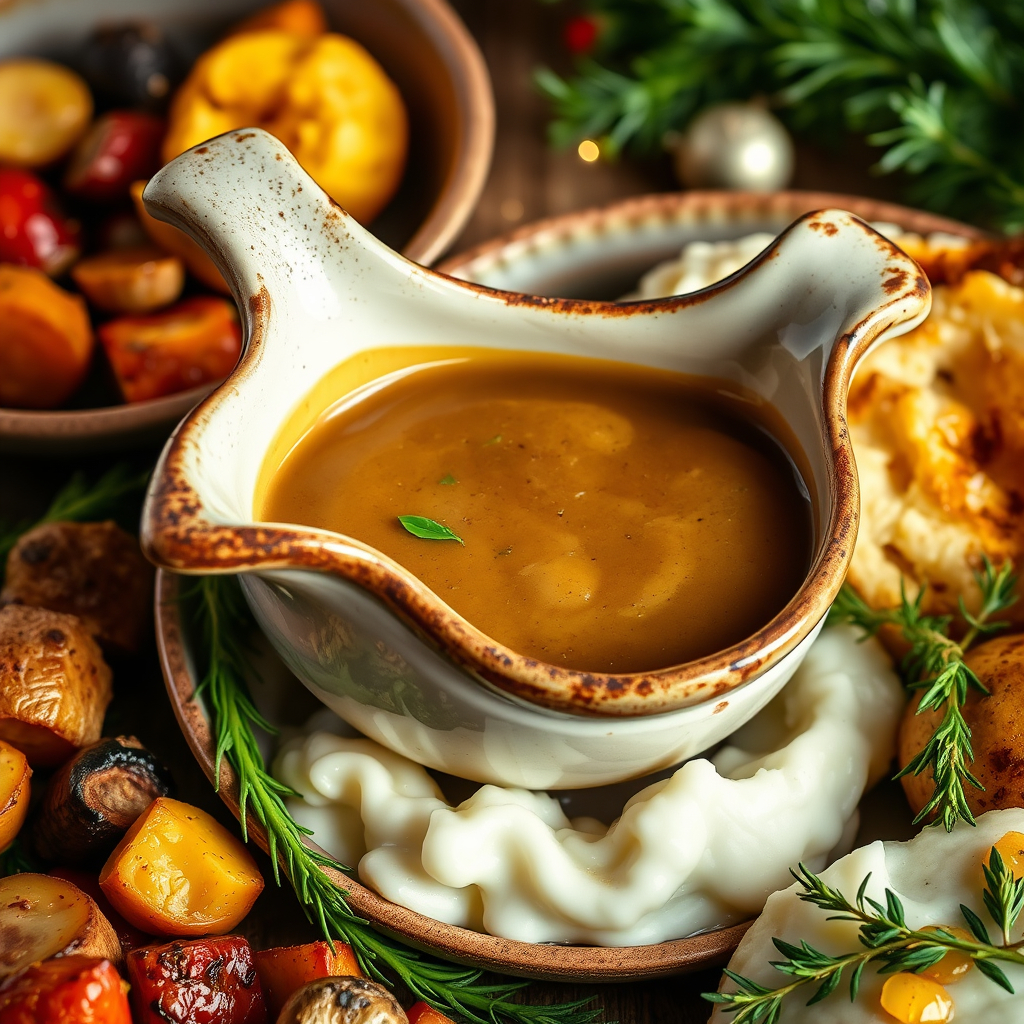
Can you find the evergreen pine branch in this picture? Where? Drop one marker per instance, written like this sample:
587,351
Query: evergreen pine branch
935,664
886,941
225,624
936,83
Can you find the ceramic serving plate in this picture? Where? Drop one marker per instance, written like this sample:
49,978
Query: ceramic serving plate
583,252
425,49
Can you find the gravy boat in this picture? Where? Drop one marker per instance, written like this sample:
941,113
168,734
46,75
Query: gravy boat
368,638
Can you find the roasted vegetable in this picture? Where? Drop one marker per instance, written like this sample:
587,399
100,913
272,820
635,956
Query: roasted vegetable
121,147
46,340
41,916
14,792
996,722
206,981
422,1013
301,17
178,872
286,969
92,570
128,935
33,230
68,990
44,109
54,684
130,280
325,98
177,242
95,798
342,1001
196,342
132,65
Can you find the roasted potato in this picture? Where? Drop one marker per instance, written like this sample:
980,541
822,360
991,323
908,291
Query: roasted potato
93,570
178,871
324,97
997,730
42,916
54,684
14,792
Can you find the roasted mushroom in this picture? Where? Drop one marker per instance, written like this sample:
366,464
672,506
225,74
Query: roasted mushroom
342,1001
95,798
93,570
54,684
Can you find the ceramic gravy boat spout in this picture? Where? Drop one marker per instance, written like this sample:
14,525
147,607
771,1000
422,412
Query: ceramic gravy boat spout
362,632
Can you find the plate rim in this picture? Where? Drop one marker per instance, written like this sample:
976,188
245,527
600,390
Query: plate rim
538,961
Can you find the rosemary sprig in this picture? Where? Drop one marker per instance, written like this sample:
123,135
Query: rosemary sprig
886,940
935,664
225,623
80,501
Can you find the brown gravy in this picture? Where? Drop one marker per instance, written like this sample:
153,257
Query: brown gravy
615,518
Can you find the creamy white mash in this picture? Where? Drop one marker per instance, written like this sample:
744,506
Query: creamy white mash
932,875
699,850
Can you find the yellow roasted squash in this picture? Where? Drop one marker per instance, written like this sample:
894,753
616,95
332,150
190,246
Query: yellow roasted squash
324,97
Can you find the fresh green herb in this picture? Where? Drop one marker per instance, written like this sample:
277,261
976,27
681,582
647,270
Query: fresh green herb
458,991
885,939
935,664
429,529
497,439
14,860
936,82
448,480
80,501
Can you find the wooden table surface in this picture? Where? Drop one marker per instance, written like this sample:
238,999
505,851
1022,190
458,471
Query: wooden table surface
527,181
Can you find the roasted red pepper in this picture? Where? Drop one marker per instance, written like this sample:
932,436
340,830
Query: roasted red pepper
33,231
286,969
66,990
201,981
198,341
119,148
422,1013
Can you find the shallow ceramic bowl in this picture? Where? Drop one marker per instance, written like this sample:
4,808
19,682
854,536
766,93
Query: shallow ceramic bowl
363,633
423,46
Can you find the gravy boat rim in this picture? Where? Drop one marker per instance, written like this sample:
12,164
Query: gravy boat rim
177,534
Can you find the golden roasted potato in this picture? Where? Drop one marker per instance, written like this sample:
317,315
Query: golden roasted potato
42,916
324,97
15,791
997,730
54,684
937,424
93,570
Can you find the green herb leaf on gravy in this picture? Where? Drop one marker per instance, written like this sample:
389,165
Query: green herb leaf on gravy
428,529
448,480
494,440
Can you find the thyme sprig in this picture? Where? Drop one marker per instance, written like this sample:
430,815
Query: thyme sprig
935,664
80,501
885,939
225,624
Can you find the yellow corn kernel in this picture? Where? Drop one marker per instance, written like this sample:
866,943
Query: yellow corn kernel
954,965
913,999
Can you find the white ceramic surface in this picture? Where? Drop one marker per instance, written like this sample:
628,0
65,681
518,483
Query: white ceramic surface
360,631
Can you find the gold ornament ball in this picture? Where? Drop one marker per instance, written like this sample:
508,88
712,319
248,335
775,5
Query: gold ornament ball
735,146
